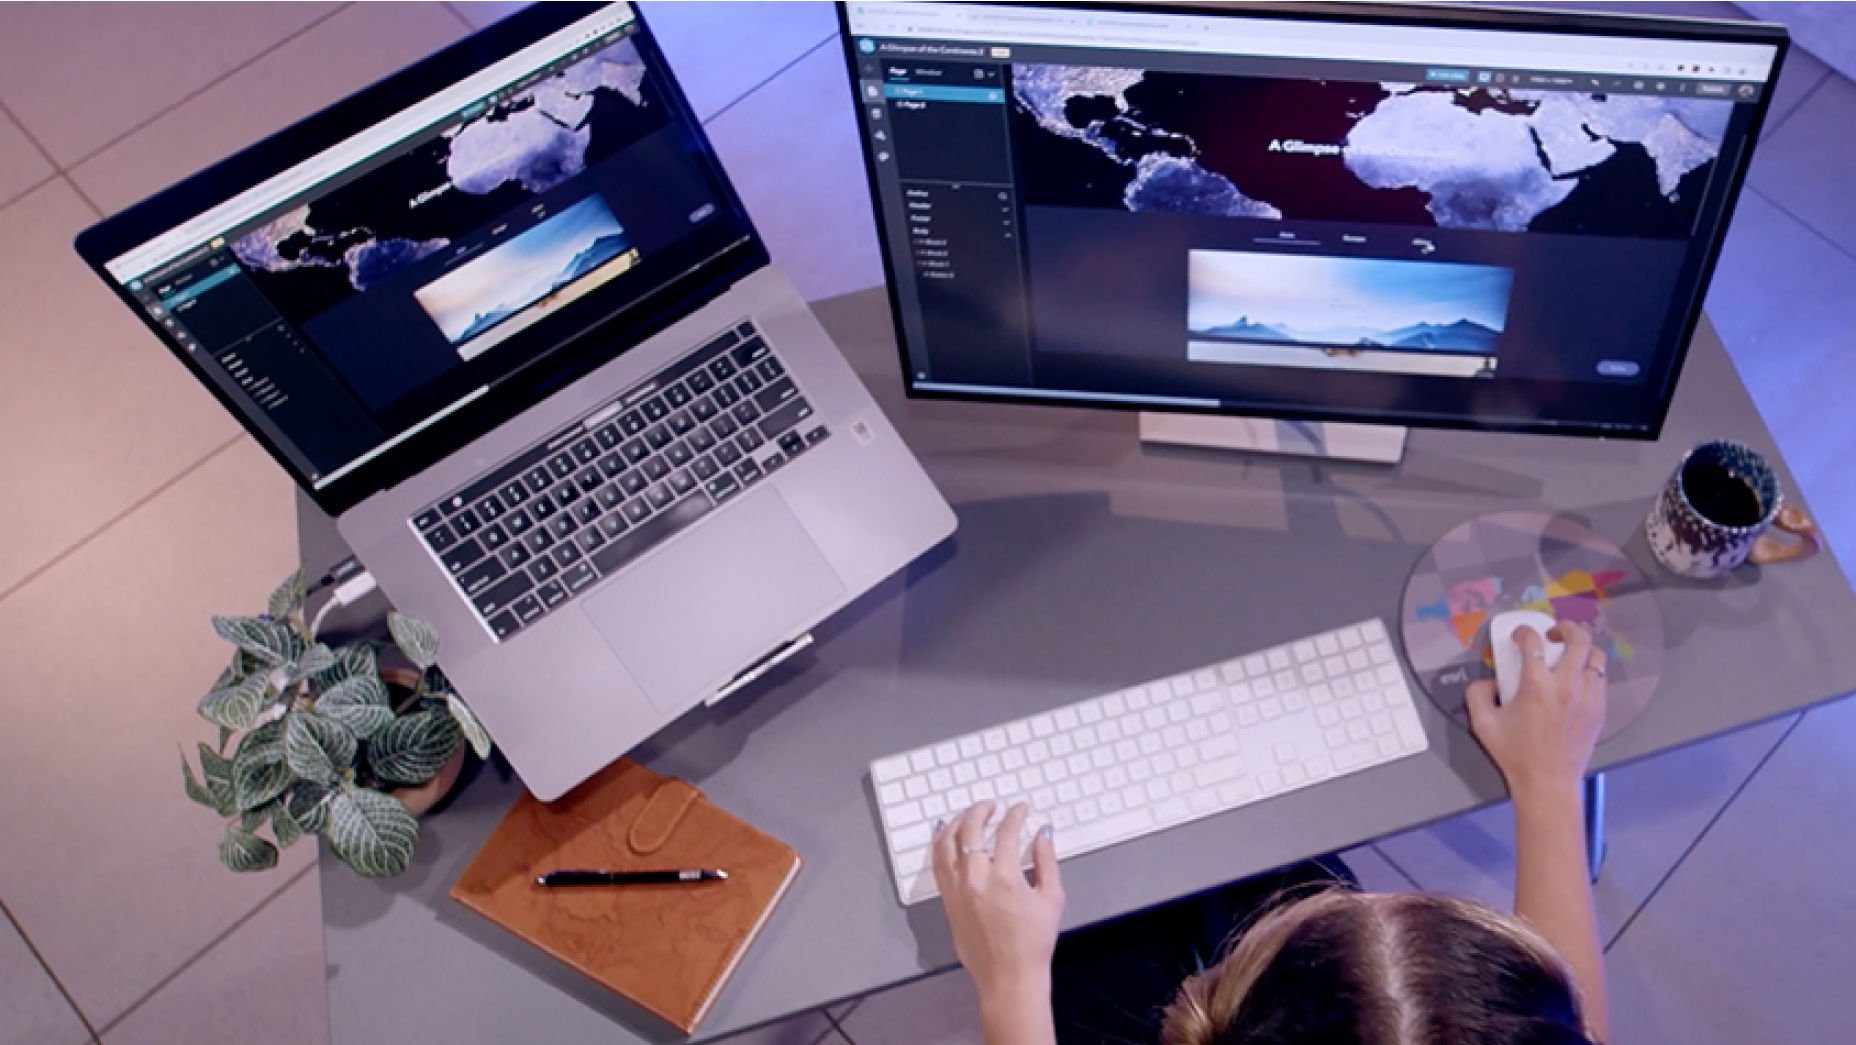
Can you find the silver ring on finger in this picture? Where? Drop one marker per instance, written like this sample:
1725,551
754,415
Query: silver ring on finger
966,850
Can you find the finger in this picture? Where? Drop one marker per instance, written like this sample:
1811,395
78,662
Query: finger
942,851
972,829
1044,874
1534,672
1480,699
1578,649
1007,841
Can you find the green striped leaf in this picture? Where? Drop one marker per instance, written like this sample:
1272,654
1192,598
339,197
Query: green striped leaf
272,642
259,772
235,706
360,703
371,832
284,826
317,748
350,662
308,805
242,851
194,790
415,638
472,729
414,748
315,659
216,771
289,596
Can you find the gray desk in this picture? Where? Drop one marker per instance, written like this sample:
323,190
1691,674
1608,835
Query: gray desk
1084,562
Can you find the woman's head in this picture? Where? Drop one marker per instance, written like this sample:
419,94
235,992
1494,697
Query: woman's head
1381,969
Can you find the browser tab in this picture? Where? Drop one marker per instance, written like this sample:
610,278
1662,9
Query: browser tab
1447,75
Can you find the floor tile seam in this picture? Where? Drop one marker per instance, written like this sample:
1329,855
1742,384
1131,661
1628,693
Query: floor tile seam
769,78
31,138
49,974
1800,219
65,176
141,502
30,189
838,1025
200,90
1695,843
1823,78
224,935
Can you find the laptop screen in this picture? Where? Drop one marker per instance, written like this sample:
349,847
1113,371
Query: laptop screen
1429,216
361,295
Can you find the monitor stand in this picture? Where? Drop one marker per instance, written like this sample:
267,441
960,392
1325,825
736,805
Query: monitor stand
1376,444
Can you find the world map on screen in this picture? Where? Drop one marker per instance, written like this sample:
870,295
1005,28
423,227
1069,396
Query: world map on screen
1489,158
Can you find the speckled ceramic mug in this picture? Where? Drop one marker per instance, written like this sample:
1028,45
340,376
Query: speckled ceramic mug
1687,541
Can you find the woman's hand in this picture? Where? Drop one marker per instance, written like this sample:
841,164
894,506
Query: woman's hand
1542,740
1005,928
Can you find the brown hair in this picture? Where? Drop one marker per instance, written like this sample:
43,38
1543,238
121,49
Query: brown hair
1381,969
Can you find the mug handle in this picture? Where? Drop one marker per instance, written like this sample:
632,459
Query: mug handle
1794,521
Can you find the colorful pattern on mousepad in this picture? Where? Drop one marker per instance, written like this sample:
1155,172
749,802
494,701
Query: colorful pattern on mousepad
1529,561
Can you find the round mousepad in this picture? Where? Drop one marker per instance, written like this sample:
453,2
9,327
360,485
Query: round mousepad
1529,561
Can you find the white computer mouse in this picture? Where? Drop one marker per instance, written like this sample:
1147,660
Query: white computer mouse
1508,653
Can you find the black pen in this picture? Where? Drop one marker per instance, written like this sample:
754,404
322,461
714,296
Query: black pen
559,878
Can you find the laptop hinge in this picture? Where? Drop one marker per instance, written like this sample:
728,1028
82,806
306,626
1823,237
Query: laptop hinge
760,667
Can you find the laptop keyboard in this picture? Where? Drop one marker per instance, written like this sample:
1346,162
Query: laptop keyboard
542,528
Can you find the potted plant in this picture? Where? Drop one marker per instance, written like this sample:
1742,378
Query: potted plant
314,740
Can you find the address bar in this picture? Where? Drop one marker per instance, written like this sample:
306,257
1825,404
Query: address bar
359,148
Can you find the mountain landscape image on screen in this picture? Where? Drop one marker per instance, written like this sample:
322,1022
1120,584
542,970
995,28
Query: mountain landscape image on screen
1347,302
531,266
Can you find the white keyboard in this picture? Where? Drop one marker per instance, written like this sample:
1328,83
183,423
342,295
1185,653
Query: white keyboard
1124,765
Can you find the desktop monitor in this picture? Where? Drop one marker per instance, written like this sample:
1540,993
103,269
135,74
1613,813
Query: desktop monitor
1481,218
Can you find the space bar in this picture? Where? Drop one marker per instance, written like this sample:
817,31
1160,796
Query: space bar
650,533
1082,838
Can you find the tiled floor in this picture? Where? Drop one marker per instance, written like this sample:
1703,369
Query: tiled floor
134,509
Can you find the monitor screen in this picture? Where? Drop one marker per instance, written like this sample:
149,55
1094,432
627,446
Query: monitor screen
1405,216
361,278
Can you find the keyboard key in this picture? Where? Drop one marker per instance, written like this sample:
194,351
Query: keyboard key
609,437
787,415
658,437
816,436
427,519
700,382
769,368
543,568
561,465
440,537
722,487
654,409
502,595
578,576
551,594
613,524
586,451
632,423
462,554
464,522
539,541
539,478
681,423
503,625
517,556
528,609
677,396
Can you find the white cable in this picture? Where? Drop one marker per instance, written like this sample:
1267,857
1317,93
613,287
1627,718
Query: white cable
347,593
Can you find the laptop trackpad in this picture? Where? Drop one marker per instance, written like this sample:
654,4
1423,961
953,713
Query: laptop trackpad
725,594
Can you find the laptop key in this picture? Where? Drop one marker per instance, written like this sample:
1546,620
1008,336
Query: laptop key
590,538
747,471
578,576
539,541
656,468
528,609
465,522
700,382
750,351
748,382
679,454
566,554
589,479
561,465
542,508
726,396
459,558
566,494
636,450
704,409
749,439
770,368
658,437
677,396
544,567
539,478
586,451
681,422
504,625
514,493
654,409
632,423
517,556
551,594
617,553
723,426
612,524
612,465
773,395
478,578
428,519
636,510
772,462
608,437
562,527
727,454
722,369
681,482
493,537
705,468
609,496
586,511
518,523
634,483
722,487
660,497
793,444
701,440
440,537
489,509
816,436
791,413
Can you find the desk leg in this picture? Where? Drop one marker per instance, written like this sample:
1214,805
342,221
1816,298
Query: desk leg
1595,823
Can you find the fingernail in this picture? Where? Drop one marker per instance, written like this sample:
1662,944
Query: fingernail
1049,831
938,825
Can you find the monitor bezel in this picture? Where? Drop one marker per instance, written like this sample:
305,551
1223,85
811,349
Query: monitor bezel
1498,18
580,353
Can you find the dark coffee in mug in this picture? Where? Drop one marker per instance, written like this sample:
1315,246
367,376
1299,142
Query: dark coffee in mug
1721,496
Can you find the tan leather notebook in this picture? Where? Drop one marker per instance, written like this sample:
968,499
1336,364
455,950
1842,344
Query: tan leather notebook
667,948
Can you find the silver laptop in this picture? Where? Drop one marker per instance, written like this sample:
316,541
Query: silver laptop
504,316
